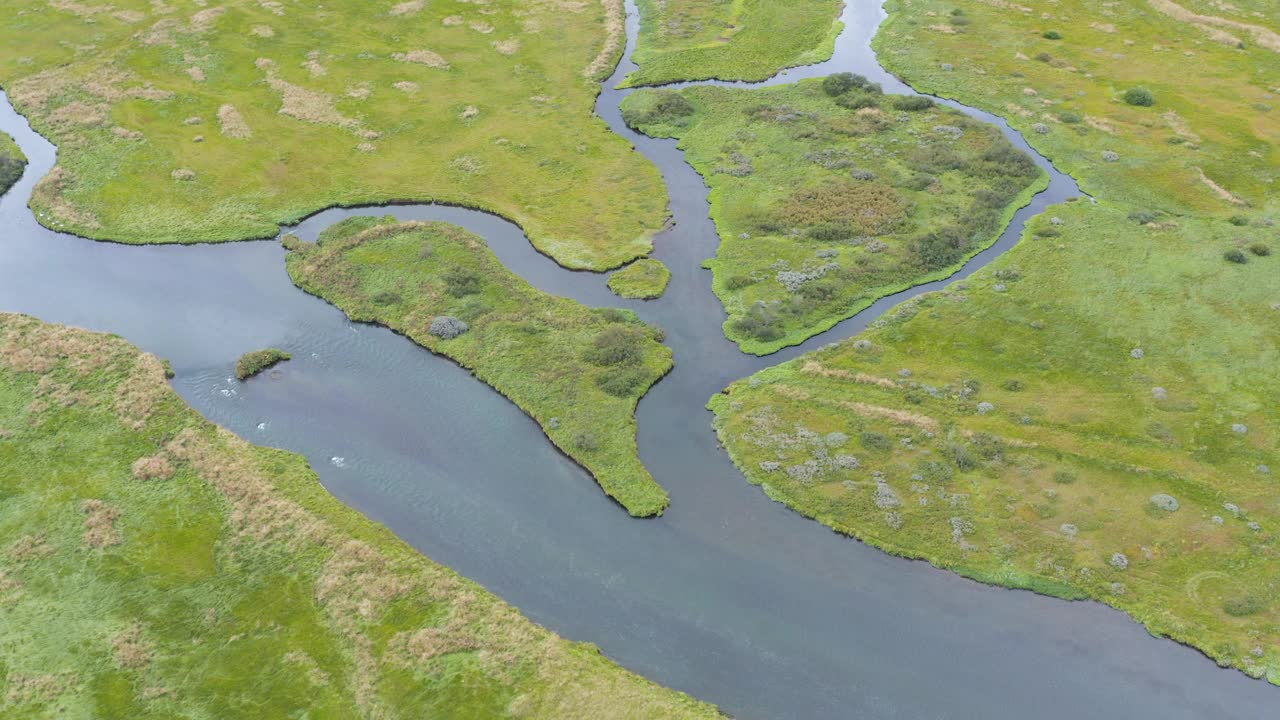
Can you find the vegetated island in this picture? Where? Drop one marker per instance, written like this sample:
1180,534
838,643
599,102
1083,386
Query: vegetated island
252,363
156,565
829,195
236,118
12,163
740,40
644,279
1091,416
577,371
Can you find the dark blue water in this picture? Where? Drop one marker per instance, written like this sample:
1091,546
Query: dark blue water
728,596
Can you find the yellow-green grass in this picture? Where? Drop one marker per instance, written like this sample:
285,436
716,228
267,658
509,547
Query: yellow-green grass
643,279
254,362
1207,145
823,208
731,39
577,371
154,565
12,162
230,120
1017,427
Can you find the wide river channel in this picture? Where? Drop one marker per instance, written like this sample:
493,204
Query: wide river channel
728,596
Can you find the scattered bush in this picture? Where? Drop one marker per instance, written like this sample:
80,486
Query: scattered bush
1165,502
858,100
1236,256
622,381
912,103
1110,156
1052,35
446,327
617,345
1044,57
1064,477
1238,220
1069,117
737,282
959,456
1242,606
1140,97
1144,217
875,441
1260,249
10,170
760,322
460,281
840,83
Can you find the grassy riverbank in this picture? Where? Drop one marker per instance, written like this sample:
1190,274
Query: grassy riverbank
1091,416
233,119
252,363
12,163
644,279
154,565
578,371
827,198
739,40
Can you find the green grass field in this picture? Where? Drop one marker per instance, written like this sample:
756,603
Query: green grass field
825,204
12,163
730,39
578,371
643,279
1092,416
156,566
232,119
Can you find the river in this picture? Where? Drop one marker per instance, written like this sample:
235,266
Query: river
728,596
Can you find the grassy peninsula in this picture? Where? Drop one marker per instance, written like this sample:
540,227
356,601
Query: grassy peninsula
252,363
12,163
829,195
578,371
1092,416
234,118
737,40
154,565
644,279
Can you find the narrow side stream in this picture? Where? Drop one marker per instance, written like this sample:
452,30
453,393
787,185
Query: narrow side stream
729,596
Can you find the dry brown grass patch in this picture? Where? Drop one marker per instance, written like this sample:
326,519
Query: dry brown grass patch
131,650
99,524
28,689
30,547
422,57
231,123
1218,190
507,47
152,467
615,36
408,8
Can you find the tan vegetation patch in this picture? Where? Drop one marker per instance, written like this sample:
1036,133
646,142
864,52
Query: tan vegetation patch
100,523
313,65
315,675
129,17
138,394
50,194
453,21
79,114
1103,27
29,689
422,57
480,26
901,417
131,650
195,74
944,29
1180,126
406,86
1098,123
231,123
10,589
271,6
262,31
507,47
80,9
812,367
1219,190
615,36
204,20
408,8
1213,26
359,92
30,547
152,467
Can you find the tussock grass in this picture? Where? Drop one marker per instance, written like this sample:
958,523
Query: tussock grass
236,586
737,40
293,140
578,371
826,202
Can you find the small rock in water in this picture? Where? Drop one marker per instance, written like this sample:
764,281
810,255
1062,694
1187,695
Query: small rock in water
338,461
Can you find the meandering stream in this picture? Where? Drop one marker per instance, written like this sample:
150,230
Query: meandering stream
728,596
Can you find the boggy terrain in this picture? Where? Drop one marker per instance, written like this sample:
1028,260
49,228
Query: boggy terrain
578,371
234,118
1091,415
154,565
736,40
829,195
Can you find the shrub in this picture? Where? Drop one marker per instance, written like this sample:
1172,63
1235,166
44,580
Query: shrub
617,345
737,282
386,297
1260,249
1064,477
1144,217
586,441
875,441
656,106
959,456
959,20
858,100
839,83
446,327
1052,35
1044,57
760,322
1069,117
1165,502
1013,385
1140,97
1238,220
622,381
912,103
460,281
10,170
1242,606
1236,256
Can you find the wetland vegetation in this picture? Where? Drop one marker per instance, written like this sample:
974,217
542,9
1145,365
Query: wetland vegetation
12,163
233,119
644,279
829,195
155,565
578,371
252,363
734,40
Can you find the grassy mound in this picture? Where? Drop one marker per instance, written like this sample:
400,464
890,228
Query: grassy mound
643,279
12,163
739,40
827,197
232,119
154,565
578,371
252,363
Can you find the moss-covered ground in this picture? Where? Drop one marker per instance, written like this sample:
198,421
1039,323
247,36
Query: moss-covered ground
578,371
12,162
825,203
234,118
1093,414
644,279
155,566
731,39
